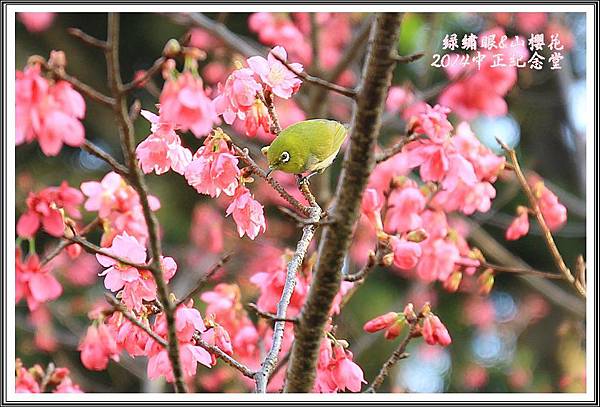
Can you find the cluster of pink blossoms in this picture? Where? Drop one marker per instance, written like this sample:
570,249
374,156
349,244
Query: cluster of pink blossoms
426,324
482,89
137,285
293,30
48,111
106,338
457,171
34,380
46,208
242,97
184,102
554,213
118,206
336,371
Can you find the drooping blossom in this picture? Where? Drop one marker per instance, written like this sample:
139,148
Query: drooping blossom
98,346
44,208
519,227
280,80
24,381
162,150
48,112
36,22
554,213
406,253
336,371
238,95
214,167
184,103
34,282
434,331
247,213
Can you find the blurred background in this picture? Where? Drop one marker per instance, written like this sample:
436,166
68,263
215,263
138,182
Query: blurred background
526,336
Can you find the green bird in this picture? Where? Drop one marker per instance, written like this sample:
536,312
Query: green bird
309,147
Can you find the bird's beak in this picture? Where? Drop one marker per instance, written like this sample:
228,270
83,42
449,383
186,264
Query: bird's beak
269,171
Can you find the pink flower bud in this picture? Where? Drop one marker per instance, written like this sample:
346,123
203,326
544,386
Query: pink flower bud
381,322
434,332
453,281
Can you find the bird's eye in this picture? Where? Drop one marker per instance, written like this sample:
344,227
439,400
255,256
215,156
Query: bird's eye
285,157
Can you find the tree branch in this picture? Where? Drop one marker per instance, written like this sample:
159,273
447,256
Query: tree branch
87,39
204,279
138,183
308,232
245,157
358,163
96,151
546,233
342,90
399,354
268,315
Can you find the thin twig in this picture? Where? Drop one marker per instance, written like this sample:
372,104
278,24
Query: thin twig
96,151
47,376
204,279
395,149
268,315
87,90
218,30
65,242
406,59
245,370
399,354
342,90
92,248
521,270
87,39
546,233
128,87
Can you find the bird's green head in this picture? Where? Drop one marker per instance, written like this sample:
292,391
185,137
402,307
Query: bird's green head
286,154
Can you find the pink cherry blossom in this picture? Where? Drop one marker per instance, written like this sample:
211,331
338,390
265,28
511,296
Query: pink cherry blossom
117,274
44,208
405,207
434,123
438,260
162,150
247,213
184,103
519,227
25,382
237,96
97,347
482,91
36,22
554,213
49,112
213,169
34,282
282,82
118,205
434,332
406,254
345,373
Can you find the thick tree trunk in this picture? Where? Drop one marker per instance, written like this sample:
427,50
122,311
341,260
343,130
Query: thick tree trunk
358,163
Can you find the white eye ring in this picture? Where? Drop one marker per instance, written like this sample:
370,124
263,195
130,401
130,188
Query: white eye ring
285,157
